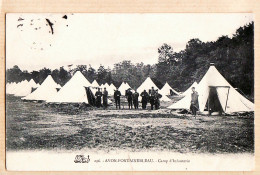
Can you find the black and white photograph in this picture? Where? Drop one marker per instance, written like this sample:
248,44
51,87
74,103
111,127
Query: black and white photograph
130,92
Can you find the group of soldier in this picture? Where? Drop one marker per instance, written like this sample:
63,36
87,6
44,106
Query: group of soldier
132,98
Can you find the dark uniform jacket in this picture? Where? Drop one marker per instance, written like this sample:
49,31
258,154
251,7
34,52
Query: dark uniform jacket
105,94
117,94
157,96
145,96
153,92
195,99
129,95
135,96
98,94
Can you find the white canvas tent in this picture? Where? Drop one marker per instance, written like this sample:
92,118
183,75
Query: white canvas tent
230,100
73,91
26,89
18,87
189,91
112,86
146,85
166,90
106,85
94,84
46,90
111,89
102,86
164,98
8,84
123,87
10,87
32,83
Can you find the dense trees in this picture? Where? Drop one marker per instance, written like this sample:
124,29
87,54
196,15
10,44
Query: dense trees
233,57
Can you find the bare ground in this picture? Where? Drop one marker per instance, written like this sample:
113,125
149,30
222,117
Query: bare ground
37,126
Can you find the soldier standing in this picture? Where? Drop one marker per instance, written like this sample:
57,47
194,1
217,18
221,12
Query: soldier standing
152,98
105,94
129,96
98,96
157,99
145,98
194,106
135,99
117,95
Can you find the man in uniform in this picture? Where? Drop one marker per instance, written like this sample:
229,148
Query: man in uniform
129,96
194,106
157,97
145,98
117,95
152,98
135,99
105,94
98,97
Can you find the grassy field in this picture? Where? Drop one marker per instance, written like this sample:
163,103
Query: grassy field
31,125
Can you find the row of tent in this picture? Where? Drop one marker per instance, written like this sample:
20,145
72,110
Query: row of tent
21,89
74,91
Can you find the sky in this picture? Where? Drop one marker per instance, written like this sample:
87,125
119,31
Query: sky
34,41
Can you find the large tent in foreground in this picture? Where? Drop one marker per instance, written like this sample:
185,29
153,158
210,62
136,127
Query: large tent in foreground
214,90
168,90
146,85
73,91
189,90
26,89
46,90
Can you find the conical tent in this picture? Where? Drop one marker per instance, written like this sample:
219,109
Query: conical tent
166,90
123,87
11,87
189,91
111,89
230,100
73,91
106,85
46,90
26,89
102,86
32,83
95,84
8,85
58,86
165,98
146,85
112,86
19,86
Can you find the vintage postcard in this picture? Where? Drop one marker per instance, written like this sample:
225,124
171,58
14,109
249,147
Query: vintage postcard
130,92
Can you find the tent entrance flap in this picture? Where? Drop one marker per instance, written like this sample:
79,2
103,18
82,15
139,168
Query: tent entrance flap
213,103
223,95
90,96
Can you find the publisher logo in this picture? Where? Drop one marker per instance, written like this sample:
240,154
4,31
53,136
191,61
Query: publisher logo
81,159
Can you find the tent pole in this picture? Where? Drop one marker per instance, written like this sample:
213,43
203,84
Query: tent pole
208,103
227,100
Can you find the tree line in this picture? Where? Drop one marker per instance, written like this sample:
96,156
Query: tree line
233,57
